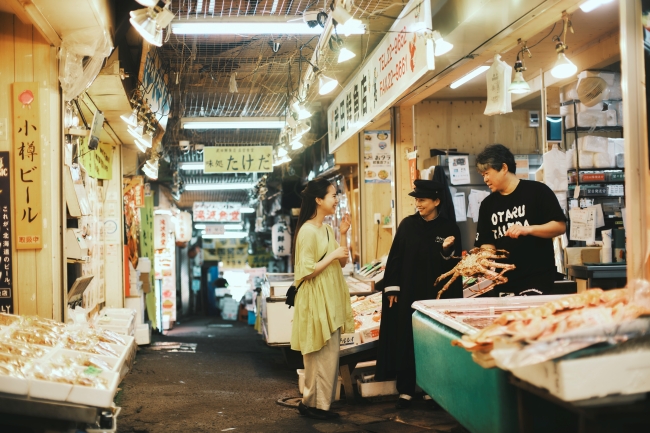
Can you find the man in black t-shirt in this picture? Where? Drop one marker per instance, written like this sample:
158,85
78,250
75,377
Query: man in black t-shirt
521,217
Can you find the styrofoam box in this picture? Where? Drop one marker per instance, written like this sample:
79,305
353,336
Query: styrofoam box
49,390
95,397
375,389
595,376
123,325
111,361
14,385
369,334
143,334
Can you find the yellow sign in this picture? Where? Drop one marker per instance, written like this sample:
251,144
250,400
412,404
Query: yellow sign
98,163
27,151
232,252
238,159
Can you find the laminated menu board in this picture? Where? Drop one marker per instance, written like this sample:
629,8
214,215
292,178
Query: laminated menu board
377,156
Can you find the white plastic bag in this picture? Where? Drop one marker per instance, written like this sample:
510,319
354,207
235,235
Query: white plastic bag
555,167
498,81
81,58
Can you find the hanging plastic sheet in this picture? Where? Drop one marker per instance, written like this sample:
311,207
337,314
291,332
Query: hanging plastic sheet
80,60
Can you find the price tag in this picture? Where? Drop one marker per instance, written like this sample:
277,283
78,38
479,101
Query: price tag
576,192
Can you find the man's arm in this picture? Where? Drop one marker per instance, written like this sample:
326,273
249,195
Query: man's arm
546,231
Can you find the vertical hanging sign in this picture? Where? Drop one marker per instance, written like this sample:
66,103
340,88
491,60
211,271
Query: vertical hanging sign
27,167
6,286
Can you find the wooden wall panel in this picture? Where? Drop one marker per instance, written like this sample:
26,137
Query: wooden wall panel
25,260
7,71
26,56
403,143
462,125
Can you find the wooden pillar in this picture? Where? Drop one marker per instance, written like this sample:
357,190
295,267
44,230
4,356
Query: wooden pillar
405,141
636,139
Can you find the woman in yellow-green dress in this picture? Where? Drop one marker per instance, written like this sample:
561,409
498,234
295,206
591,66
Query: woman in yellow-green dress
322,303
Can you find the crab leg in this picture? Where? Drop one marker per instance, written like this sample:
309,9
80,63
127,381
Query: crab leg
446,286
443,276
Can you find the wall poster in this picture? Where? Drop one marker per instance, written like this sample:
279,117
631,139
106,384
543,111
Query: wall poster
27,167
377,156
6,285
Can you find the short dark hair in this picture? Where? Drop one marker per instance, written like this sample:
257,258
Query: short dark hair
494,156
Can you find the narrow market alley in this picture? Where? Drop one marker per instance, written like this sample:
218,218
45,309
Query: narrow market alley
233,382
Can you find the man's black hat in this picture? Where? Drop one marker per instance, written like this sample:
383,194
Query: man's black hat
427,189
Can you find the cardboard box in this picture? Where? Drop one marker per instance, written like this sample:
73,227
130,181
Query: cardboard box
146,282
574,255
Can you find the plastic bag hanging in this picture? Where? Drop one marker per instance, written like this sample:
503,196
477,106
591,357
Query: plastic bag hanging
555,168
81,58
498,81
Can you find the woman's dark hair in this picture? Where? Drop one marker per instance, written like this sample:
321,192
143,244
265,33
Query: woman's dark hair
494,156
316,188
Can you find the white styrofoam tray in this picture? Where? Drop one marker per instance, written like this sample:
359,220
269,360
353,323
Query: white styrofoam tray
95,397
624,372
375,389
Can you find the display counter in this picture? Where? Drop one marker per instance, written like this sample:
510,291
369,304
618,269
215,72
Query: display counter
277,316
481,399
604,275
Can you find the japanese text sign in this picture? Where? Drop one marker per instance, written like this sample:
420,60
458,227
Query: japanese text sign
238,159
216,212
98,163
27,167
133,188
6,285
397,63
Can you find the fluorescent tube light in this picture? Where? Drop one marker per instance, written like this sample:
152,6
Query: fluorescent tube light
226,226
231,235
590,5
217,186
476,72
191,165
232,123
247,210
259,27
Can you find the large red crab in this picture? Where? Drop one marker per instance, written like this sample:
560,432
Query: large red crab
477,264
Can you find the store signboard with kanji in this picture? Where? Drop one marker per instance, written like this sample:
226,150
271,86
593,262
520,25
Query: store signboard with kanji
216,212
238,159
6,259
27,167
134,187
400,59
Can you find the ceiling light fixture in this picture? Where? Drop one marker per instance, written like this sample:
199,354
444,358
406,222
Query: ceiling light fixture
191,165
131,119
247,210
326,84
590,5
476,72
519,84
282,152
232,123
296,144
300,110
150,22
442,46
137,131
226,226
150,168
563,67
345,54
352,27
243,26
218,186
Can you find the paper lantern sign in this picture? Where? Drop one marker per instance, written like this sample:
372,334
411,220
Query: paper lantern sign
184,227
280,240
161,227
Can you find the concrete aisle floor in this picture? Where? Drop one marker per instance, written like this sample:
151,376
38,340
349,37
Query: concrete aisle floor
233,383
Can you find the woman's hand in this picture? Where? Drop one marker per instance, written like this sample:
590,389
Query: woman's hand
340,253
392,299
345,224
448,242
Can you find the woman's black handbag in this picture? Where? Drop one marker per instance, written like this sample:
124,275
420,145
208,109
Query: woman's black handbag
293,290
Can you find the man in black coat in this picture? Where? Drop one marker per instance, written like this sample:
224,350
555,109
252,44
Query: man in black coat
421,252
